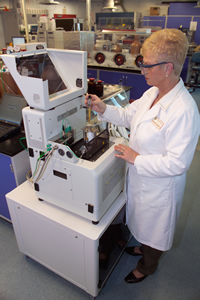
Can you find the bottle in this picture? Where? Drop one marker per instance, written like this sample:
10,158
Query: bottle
99,88
135,46
116,48
91,86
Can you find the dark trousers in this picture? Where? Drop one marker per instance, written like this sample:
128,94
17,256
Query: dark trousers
148,264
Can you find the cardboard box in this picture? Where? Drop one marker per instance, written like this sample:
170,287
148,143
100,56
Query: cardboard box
154,11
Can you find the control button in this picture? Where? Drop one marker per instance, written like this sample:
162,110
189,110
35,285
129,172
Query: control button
69,154
61,152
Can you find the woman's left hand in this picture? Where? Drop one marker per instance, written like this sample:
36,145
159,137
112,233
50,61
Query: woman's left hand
127,153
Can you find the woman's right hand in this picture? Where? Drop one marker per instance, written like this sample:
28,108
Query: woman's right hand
97,104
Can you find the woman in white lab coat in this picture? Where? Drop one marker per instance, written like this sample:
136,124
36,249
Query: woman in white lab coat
164,130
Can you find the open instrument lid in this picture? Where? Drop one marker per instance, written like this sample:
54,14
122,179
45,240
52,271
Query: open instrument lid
48,77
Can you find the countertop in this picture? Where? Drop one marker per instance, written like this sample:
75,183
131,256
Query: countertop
12,145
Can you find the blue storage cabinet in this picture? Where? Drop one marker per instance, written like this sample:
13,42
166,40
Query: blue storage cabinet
7,183
91,73
176,22
14,162
135,80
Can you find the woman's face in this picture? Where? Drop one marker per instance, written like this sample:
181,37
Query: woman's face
155,75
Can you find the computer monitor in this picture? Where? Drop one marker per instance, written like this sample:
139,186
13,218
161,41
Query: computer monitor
33,29
17,40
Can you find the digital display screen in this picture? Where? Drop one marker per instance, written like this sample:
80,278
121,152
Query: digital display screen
17,40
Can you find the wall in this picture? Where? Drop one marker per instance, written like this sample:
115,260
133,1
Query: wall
186,9
179,15
144,6
5,3
75,7
8,23
2,39
78,7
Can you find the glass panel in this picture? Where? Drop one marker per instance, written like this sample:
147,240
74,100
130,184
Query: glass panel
41,66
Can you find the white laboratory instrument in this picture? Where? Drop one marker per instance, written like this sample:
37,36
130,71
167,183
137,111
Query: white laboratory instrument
71,171
33,46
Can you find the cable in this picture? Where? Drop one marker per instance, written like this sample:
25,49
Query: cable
36,167
29,175
47,158
69,149
23,138
64,130
46,161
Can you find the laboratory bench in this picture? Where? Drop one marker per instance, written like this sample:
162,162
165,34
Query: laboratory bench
14,161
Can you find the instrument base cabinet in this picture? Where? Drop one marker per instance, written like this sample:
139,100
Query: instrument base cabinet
65,243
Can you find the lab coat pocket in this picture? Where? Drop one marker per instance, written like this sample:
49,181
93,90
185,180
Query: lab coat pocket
156,192
149,137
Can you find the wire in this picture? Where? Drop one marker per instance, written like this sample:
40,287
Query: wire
68,121
23,138
36,167
69,149
64,129
29,175
46,161
47,158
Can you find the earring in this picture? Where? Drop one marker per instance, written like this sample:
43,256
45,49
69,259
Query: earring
166,75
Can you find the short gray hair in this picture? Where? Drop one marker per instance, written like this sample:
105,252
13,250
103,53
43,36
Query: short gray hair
170,45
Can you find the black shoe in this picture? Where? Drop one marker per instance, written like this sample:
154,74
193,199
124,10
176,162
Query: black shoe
130,251
130,278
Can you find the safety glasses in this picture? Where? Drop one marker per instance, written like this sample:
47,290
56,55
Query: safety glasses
143,66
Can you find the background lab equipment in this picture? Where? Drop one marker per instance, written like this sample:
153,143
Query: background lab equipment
73,166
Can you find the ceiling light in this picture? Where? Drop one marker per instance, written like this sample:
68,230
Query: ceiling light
49,2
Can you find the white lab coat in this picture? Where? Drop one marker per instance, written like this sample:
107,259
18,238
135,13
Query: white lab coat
155,183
